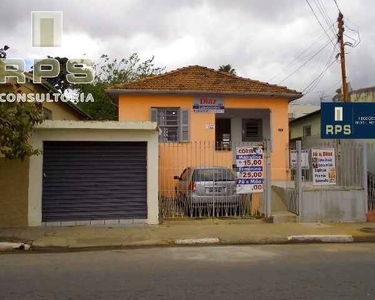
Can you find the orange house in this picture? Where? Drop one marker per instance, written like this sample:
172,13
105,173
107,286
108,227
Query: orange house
203,114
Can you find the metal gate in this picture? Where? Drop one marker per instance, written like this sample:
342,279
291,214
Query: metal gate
198,179
94,181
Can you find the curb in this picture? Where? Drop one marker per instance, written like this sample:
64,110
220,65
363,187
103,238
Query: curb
7,246
321,239
208,241
201,241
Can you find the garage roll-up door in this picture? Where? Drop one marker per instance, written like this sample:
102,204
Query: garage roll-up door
94,181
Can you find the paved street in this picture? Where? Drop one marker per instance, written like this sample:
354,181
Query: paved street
241,272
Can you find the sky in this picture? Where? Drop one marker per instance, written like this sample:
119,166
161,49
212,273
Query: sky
276,41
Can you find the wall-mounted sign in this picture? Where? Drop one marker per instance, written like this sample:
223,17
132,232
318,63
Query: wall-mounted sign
250,172
304,159
323,166
210,126
347,120
208,105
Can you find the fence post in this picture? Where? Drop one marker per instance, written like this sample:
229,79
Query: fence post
364,174
298,179
268,179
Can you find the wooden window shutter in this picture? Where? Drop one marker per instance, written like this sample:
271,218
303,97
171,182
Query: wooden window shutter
184,125
154,115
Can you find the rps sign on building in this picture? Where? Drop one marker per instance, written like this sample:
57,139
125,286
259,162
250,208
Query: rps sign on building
208,105
250,170
348,120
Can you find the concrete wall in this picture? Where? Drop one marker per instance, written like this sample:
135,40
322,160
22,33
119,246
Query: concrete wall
363,95
333,205
93,131
14,185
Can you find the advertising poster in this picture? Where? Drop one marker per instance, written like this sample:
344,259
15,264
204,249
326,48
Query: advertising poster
250,169
304,159
323,166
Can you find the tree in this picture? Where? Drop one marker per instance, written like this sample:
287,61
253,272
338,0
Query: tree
17,121
59,82
109,72
103,107
228,69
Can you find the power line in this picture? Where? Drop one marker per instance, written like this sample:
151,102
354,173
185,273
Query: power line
328,88
322,71
292,63
315,67
337,5
319,78
321,25
305,62
321,68
324,13
353,39
358,41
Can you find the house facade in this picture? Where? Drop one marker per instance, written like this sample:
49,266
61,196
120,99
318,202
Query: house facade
203,114
305,126
360,95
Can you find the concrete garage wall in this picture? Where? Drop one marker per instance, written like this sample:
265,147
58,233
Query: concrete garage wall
333,205
14,185
93,131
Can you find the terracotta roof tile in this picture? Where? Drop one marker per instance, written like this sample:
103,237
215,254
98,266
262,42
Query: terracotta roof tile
202,79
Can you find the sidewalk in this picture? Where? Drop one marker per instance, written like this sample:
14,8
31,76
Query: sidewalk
211,231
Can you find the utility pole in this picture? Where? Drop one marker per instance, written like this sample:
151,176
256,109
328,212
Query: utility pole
340,39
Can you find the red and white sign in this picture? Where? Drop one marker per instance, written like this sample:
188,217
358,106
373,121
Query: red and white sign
208,105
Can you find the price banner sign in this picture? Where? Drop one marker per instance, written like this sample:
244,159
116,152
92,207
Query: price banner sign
250,172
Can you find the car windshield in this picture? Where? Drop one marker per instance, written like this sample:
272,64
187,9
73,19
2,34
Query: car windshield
213,175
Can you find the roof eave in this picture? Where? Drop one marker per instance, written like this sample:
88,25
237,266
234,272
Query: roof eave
312,114
50,87
114,93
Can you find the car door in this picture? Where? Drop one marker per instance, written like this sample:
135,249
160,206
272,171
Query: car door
185,180
181,186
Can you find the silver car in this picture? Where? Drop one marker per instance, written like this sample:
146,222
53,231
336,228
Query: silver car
206,186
